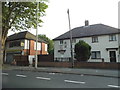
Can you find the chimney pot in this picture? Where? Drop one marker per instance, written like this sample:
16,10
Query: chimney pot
86,22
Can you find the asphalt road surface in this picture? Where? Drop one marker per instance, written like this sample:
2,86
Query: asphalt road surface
28,79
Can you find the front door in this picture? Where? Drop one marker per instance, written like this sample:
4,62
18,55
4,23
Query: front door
112,56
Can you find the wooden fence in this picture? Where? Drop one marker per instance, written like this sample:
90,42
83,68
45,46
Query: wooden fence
45,58
21,60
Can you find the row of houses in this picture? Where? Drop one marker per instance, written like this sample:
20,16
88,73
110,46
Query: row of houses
104,41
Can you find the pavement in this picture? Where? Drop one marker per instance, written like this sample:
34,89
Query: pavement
78,71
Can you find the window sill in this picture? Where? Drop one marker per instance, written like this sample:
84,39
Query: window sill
112,40
94,42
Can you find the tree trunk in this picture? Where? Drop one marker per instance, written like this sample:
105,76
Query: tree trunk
3,47
3,40
2,51
1,54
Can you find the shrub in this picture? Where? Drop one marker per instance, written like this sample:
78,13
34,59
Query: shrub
82,51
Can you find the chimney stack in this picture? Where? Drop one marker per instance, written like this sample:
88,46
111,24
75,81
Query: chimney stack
86,22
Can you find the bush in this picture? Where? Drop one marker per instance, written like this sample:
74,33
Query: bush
82,51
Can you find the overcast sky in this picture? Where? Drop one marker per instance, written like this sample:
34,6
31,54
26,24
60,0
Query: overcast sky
96,11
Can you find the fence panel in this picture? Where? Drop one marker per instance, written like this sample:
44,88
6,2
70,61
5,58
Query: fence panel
21,60
45,58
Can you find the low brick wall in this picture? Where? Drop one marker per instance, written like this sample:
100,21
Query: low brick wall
23,60
54,64
99,65
95,65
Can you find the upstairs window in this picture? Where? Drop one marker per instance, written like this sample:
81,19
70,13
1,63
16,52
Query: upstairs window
65,44
38,46
61,42
15,44
95,55
112,37
46,47
94,39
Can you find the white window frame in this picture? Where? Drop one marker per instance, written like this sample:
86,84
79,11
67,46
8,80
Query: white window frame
95,39
97,55
46,47
112,37
38,46
61,42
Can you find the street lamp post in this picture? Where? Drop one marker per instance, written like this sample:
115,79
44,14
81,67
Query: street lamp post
36,59
70,39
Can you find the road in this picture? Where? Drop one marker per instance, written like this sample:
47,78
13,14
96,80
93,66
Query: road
28,79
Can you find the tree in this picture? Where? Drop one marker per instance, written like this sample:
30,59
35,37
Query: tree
82,51
50,43
20,16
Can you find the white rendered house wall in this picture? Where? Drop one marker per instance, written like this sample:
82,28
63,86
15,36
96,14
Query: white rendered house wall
102,45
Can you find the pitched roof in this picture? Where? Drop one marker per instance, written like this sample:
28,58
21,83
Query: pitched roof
23,35
87,31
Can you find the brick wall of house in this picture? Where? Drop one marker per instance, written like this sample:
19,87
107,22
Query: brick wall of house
31,47
31,51
43,49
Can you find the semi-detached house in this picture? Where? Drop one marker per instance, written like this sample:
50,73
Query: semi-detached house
104,41
23,43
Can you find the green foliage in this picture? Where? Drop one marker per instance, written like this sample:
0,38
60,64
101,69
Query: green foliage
82,51
21,15
49,41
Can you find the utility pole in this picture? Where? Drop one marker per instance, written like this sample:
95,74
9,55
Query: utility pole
71,48
36,59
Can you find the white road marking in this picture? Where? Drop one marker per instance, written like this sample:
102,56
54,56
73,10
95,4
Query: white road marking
43,78
114,86
74,82
82,75
52,73
4,74
21,75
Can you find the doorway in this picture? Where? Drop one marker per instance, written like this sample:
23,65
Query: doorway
112,56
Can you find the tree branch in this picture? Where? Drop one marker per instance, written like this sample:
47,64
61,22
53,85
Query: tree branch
10,12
